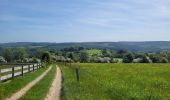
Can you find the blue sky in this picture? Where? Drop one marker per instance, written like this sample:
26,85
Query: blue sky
84,20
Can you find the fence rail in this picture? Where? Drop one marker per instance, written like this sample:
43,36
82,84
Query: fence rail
17,70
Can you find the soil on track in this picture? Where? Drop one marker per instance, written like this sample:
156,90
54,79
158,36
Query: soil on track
54,91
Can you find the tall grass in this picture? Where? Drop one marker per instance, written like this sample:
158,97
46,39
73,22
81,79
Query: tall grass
117,82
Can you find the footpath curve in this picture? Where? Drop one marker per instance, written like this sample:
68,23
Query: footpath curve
22,91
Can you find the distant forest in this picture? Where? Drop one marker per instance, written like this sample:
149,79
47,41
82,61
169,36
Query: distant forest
152,46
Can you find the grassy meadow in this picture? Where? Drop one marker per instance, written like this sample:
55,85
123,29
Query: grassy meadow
117,82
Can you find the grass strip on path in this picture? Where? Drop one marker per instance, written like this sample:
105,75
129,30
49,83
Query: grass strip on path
39,91
10,87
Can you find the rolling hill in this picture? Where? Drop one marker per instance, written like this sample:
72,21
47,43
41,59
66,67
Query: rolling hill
150,46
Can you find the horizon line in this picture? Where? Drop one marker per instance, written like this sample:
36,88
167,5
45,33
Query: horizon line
82,42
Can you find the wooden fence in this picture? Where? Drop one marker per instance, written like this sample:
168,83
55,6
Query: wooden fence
14,70
72,68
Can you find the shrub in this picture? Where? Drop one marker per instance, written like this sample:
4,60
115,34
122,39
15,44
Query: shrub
107,60
155,58
25,60
7,54
164,60
146,59
46,57
60,58
137,60
128,58
84,57
114,60
2,60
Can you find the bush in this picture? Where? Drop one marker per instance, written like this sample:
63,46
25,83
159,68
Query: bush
25,60
164,60
20,54
128,58
107,60
7,54
60,58
114,60
146,59
84,57
155,58
34,60
2,60
137,60
46,57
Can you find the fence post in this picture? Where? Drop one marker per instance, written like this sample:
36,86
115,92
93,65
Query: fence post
70,63
38,65
13,71
28,68
0,74
77,74
33,67
22,70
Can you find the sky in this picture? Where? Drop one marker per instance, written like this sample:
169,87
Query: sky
84,20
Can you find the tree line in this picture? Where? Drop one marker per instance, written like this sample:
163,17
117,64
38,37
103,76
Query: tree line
23,55
111,56
81,54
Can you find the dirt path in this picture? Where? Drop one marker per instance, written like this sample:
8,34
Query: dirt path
54,91
21,92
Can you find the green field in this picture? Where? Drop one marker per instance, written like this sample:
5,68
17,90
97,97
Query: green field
117,82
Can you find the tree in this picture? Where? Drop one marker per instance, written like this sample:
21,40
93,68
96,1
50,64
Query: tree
164,60
39,52
155,58
146,59
58,53
34,60
165,55
107,59
128,58
84,57
113,53
121,53
46,57
107,53
21,54
7,54
76,57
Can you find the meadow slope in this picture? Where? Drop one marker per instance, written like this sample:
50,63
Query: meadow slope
117,82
